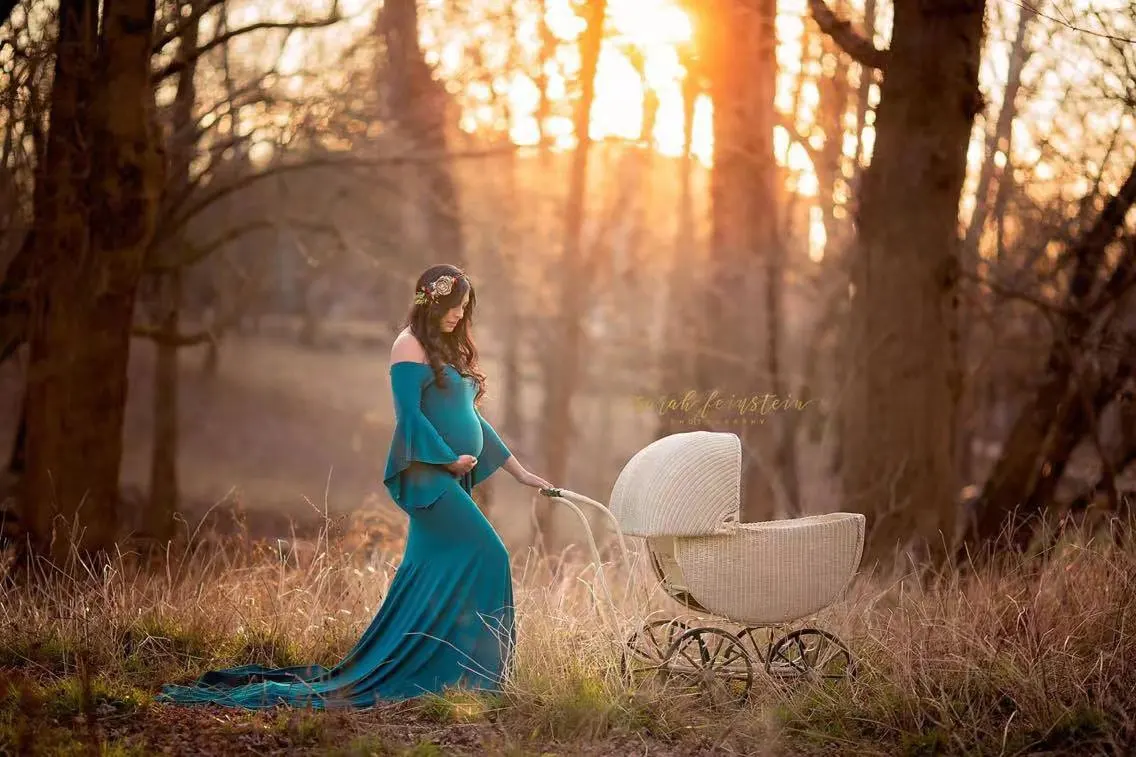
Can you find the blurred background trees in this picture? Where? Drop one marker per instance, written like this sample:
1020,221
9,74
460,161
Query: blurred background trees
912,230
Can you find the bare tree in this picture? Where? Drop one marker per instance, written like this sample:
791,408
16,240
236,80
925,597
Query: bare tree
158,522
562,364
1064,406
418,104
25,100
96,210
740,348
997,144
677,354
904,385
172,252
1052,328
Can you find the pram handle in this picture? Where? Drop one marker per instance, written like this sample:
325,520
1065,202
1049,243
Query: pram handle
571,498
574,497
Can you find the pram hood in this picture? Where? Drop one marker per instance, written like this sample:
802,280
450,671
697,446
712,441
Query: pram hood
685,484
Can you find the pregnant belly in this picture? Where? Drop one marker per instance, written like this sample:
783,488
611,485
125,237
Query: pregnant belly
463,434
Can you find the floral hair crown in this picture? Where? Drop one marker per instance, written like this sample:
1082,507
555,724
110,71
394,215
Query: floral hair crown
439,287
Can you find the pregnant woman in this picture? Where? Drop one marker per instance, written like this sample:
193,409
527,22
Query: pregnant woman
447,619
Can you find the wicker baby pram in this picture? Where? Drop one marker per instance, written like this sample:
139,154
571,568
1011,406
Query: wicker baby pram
682,494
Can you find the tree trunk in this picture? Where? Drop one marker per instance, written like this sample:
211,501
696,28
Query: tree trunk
745,255
513,336
904,386
103,174
835,90
212,362
512,382
562,365
61,227
678,365
419,103
16,294
509,258
997,141
545,57
632,247
164,491
1086,405
844,353
18,460
314,309
158,523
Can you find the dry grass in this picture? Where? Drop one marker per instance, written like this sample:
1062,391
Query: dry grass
1031,657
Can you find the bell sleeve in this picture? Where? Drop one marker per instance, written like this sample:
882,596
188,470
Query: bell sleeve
493,455
414,476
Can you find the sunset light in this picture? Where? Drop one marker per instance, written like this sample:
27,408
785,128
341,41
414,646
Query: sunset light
656,30
804,301
642,49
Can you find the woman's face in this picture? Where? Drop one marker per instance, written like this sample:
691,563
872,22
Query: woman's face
454,315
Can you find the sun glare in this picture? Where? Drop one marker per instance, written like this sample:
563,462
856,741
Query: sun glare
650,22
650,33
653,29
641,56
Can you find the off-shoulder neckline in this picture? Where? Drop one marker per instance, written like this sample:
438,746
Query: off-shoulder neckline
415,362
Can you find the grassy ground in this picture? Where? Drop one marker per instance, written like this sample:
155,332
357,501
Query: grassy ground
1035,657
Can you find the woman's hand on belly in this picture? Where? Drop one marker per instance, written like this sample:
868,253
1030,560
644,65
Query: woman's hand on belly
462,465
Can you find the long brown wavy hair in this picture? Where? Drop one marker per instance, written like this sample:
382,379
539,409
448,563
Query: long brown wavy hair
456,347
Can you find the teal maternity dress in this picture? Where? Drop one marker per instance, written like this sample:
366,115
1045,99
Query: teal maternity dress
447,619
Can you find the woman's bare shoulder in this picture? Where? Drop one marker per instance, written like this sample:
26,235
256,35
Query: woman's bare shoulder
407,348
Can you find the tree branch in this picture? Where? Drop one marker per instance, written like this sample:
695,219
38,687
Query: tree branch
1011,293
860,49
165,338
221,39
197,254
252,94
212,333
1123,276
1090,250
199,10
796,136
398,159
1108,472
175,202
1113,466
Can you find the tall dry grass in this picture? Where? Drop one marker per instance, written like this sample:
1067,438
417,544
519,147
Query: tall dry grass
1031,655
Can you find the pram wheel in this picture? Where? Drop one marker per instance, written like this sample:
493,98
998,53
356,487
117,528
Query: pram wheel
811,652
717,662
646,650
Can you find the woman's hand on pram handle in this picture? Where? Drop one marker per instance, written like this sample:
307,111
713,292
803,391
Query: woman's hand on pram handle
530,479
522,475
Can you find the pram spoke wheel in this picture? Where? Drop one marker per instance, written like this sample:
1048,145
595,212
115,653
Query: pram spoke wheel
757,649
811,652
716,661
647,649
